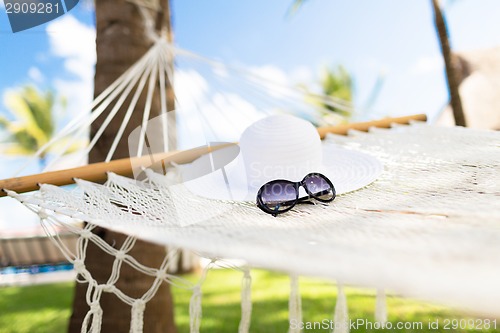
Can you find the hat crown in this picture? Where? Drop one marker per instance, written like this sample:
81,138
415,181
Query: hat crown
280,147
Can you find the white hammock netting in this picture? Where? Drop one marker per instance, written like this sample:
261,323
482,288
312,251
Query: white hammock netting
427,228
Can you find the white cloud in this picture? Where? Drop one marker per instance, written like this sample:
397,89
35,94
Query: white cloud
230,114
190,88
15,217
78,94
273,81
4,98
80,68
301,75
75,42
225,107
222,117
426,65
375,65
270,73
35,74
276,78
87,4
203,112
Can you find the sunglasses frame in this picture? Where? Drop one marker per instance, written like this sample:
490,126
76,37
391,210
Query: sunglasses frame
296,186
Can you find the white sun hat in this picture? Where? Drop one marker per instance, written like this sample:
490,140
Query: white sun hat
281,147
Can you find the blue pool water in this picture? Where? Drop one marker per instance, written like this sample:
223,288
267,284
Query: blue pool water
36,269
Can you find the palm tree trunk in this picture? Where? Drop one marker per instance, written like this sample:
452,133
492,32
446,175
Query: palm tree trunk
121,41
450,63
164,23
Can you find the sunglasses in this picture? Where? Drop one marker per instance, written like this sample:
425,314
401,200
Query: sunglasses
279,196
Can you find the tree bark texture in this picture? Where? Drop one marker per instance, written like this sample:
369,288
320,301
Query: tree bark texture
121,41
451,65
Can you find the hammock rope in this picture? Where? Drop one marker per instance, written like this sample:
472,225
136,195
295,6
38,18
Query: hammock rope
398,229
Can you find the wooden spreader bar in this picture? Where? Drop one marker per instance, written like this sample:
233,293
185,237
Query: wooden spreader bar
97,172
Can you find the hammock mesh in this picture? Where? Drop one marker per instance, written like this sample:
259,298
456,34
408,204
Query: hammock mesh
427,228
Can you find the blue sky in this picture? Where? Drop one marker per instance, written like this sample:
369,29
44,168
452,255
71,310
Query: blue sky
392,38
389,37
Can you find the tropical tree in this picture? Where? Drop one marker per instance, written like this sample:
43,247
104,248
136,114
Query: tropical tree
335,98
34,124
121,40
451,62
334,102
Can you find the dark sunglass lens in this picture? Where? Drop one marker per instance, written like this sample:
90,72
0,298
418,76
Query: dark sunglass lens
278,196
319,187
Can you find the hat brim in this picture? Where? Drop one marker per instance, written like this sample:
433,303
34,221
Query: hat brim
348,170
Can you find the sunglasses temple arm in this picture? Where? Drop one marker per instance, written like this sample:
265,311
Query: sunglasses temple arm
303,199
292,202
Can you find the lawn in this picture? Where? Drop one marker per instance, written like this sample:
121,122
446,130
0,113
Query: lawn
46,308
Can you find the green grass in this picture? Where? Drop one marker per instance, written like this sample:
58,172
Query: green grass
35,309
46,308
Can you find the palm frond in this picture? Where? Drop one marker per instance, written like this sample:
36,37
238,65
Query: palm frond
25,140
294,7
68,145
25,115
4,123
14,149
41,105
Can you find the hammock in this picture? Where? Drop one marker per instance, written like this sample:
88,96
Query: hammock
229,96
428,228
